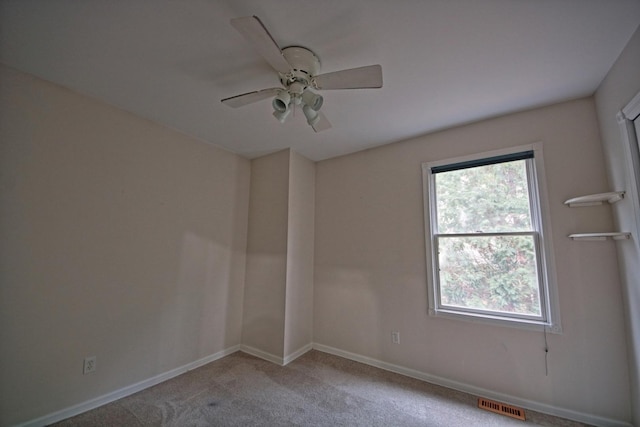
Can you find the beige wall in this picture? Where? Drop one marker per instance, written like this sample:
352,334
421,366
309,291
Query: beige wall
120,239
370,272
620,85
265,287
278,303
126,240
299,299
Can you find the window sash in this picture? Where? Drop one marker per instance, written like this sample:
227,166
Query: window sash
481,233
486,161
546,318
440,306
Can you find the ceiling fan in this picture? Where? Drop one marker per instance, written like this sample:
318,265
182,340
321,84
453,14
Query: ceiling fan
298,68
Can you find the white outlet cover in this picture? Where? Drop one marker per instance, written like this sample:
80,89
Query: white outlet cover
395,337
89,365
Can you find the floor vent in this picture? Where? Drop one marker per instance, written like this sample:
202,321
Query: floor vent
501,408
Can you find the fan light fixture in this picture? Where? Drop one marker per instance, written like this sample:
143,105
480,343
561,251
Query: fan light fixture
298,69
284,101
311,99
282,115
311,115
281,101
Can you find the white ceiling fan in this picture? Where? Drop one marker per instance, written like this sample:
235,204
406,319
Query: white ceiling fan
298,68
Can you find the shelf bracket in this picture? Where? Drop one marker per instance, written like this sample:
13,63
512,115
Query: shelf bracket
595,199
601,236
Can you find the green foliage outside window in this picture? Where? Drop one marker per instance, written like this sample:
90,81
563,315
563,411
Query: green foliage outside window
487,272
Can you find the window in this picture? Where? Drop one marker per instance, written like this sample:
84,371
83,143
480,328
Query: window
629,123
488,257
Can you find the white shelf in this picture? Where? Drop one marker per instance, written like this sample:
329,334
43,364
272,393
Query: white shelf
595,199
601,236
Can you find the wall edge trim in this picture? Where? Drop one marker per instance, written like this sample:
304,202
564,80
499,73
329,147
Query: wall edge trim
477,391
262,354
90,404
467,388
299,352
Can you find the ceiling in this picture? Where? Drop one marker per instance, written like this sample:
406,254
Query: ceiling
445,62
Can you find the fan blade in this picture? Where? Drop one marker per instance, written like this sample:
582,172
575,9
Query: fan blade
250,97
323,123
255,32
353,78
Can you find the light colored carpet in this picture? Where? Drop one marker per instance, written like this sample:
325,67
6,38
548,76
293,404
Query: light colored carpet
317,389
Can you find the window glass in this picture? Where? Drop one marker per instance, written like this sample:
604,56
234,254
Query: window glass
487,253
490,198
493,273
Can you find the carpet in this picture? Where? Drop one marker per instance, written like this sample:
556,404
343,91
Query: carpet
317,389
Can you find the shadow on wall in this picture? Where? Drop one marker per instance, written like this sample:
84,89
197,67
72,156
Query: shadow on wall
193,321
358,310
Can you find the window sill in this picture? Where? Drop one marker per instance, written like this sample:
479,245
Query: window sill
525,324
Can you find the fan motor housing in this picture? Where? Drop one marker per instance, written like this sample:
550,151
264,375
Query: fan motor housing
304,65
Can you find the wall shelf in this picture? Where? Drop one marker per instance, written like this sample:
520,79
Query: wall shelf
601,236
595,199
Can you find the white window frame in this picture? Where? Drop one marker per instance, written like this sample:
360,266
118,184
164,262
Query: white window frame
631,148
550,318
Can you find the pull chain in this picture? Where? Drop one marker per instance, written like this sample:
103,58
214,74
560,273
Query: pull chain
546,353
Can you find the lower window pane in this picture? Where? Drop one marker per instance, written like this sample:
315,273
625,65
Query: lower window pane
490,273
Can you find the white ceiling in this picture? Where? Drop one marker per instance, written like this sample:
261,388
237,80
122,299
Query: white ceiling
445,62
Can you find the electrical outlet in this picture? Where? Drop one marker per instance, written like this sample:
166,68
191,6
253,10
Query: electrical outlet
395,337
89,365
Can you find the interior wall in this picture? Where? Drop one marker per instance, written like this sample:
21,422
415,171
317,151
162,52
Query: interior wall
618,88
370,268
266,271
300,241
120,239
278,304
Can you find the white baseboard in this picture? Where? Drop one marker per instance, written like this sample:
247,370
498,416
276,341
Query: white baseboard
272,357
125,391
262,354
477,391
299,352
